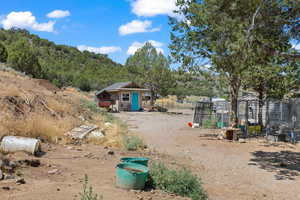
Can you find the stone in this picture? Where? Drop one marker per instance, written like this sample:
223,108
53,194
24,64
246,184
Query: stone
96,135
1,175
54,171
31,162
1,163
108,124
6,188
242,140
20,181
8,176
110,152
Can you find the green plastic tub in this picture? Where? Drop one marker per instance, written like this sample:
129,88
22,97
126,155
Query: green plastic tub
220,124
131,176
138,160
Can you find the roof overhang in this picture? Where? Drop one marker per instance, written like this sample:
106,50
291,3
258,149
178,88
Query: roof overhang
134,89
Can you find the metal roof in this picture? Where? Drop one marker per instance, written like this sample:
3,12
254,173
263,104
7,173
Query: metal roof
115,86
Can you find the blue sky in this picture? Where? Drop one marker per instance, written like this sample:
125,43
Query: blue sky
115,27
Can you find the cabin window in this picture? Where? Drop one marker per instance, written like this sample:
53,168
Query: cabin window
125,96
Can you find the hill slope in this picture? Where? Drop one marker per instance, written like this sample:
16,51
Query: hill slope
64,65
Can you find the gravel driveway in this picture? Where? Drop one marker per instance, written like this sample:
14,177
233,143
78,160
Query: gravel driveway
231,170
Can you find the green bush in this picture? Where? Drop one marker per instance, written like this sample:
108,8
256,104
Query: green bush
181,182
91,105
133,143
88,193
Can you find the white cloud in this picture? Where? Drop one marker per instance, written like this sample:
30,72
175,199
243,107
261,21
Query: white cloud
150,8
26,20
137,45
296,46
59,14
99,50
137,26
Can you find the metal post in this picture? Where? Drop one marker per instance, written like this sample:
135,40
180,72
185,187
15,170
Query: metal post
246,118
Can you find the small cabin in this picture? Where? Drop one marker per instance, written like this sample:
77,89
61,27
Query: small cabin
123,96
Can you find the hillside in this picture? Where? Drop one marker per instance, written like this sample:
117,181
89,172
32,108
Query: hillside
36,108
62,65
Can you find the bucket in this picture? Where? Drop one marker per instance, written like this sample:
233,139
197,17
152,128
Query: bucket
131,176
138,160
12,144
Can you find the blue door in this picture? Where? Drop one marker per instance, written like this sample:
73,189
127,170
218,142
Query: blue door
135,106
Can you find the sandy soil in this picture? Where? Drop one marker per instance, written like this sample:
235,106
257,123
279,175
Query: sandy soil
255,170
71,163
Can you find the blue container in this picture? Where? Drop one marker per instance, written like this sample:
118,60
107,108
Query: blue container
138,160
131,176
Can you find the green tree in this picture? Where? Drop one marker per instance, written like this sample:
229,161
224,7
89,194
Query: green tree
151,69
3,53
271,82
23,59
233,35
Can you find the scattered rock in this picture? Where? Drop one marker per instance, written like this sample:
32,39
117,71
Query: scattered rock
1,163
54,171
242,140
8,176
1,175
32,162
6,188
20,181
70,148
282,164
96,135
81,118
108,124
110,152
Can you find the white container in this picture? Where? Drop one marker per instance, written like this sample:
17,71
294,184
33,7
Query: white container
15,144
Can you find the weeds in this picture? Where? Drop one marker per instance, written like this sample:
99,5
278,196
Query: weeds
181,182
88,193
93,107
133,143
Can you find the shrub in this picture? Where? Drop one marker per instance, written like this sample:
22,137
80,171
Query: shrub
88,193
181,182
93,107
133,143
3,53
90,105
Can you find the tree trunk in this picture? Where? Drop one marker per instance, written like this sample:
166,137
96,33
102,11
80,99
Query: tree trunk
260,107
152,97
234,92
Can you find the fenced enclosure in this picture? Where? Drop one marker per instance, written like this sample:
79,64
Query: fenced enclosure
275,114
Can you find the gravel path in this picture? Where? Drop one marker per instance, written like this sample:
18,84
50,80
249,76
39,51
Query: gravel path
248,171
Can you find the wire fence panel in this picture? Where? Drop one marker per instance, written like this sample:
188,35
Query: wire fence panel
274,113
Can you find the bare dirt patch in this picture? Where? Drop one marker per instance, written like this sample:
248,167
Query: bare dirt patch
230,170
61,174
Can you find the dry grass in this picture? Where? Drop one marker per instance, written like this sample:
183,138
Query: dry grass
33,110
170,102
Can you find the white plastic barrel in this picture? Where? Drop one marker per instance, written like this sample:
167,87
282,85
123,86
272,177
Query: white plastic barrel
15,144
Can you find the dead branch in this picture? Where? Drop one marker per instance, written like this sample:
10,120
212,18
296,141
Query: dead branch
49,109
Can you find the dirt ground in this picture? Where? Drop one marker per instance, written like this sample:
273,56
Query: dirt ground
62,171
255,170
